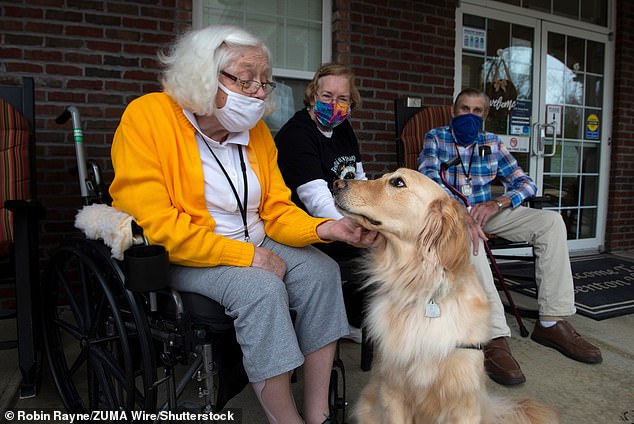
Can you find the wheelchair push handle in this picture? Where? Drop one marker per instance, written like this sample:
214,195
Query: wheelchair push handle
63,117
68,113
88,188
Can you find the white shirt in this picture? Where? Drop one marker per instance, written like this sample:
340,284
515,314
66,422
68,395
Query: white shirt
318,199
220,200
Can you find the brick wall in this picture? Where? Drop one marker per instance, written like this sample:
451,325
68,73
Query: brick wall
620,219
96,55
397,49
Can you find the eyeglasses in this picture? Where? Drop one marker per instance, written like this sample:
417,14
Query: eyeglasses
328,98
251,86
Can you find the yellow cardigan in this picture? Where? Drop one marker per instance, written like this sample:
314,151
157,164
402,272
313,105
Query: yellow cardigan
159,181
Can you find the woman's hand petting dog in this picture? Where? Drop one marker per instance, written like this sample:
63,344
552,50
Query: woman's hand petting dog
349,232
343,230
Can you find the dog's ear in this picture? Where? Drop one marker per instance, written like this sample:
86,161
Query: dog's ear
444,234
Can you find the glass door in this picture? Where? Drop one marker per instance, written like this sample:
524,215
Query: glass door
498,55
573,136
549,88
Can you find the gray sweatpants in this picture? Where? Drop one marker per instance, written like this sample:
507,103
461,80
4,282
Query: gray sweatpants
546,231
259,302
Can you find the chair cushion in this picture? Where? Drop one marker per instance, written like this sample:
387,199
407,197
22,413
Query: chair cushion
14,164
413,135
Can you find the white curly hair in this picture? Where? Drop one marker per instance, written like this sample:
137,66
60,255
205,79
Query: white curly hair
193,63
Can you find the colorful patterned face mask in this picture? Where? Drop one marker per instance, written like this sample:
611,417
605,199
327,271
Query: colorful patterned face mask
329,115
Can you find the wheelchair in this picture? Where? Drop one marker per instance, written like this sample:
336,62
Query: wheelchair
119,341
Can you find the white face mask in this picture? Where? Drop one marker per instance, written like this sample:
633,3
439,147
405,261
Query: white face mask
240,113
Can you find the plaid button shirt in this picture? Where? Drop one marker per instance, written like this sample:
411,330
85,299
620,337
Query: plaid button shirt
440,147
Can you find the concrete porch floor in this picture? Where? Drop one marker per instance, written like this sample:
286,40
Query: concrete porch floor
582,393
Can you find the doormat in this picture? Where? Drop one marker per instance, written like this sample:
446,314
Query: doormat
604,284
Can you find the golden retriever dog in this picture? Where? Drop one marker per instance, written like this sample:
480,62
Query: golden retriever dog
428,315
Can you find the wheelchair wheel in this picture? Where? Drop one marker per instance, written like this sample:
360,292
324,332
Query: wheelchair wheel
96,336
337,392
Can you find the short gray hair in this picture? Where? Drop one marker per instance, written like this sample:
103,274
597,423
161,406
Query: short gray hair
194,61
472,92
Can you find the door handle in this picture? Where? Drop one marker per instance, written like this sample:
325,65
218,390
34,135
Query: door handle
538,145
552,126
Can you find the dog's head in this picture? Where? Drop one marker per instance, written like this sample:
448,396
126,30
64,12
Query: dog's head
408,207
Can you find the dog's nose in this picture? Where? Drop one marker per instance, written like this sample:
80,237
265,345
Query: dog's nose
339,185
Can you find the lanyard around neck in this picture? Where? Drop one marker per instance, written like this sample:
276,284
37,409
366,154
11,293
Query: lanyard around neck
466,171
241,205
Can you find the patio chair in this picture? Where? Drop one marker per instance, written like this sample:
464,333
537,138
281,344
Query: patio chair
19,215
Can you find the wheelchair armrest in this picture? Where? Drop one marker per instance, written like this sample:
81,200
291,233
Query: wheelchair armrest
165,300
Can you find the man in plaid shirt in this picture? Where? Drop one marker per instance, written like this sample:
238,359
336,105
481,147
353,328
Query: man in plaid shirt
483,159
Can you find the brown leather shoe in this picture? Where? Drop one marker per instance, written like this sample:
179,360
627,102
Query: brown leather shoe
500,364
563,337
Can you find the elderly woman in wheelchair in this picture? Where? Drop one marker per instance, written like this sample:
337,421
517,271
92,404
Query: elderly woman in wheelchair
196,167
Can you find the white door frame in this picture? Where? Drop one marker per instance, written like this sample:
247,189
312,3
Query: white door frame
596,243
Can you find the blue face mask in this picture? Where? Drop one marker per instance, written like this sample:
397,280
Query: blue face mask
466,128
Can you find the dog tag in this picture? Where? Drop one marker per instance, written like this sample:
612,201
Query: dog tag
467,190
432,310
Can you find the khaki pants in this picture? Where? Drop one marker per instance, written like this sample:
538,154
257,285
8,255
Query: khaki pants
546,231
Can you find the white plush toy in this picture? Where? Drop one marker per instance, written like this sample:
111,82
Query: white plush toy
104,222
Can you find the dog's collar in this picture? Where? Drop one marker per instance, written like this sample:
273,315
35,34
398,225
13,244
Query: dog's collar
473,346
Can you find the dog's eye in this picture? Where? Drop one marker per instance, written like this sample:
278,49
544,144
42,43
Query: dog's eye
397,182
